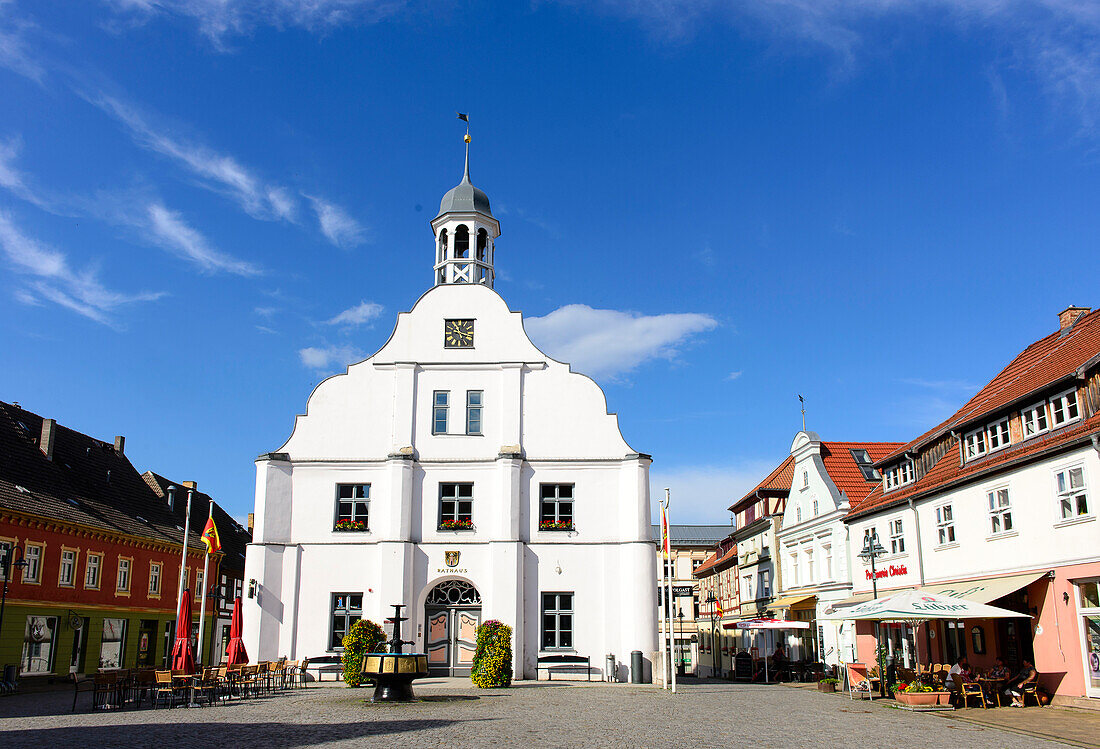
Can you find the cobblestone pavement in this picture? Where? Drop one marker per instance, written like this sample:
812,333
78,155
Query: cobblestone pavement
542,714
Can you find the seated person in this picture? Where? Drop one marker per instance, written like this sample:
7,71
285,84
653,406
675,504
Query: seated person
999,670
1027,675
959,673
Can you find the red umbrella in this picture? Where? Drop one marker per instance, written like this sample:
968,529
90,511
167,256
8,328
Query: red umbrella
236,653
183,655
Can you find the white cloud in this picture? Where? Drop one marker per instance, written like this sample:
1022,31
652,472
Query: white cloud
12,180
335,223
703,494
364,312
218,19
733,375
1057,41
218,171
53,280
329,358
605,342
171,231
15,51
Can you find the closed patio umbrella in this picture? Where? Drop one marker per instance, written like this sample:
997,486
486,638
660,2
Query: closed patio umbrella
236,653
183,654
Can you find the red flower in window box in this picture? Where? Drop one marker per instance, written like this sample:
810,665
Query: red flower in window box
351,525
556,525
456,525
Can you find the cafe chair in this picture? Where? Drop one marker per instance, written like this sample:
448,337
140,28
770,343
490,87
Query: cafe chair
164,689
970,690
1032,691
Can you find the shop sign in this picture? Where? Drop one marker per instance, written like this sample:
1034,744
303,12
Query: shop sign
683,591
891,571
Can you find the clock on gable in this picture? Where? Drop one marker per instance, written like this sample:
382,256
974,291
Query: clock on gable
458,334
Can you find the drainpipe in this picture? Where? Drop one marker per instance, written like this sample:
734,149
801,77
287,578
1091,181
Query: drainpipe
920,553
1096,442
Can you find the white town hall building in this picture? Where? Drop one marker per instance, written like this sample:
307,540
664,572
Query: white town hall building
462,472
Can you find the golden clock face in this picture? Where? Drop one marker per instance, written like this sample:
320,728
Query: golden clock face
458,333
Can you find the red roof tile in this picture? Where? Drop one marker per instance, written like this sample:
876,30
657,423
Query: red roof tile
948,471
1042,364
843,469
716,562
778,480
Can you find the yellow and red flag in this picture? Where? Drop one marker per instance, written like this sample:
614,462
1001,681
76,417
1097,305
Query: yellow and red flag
210,536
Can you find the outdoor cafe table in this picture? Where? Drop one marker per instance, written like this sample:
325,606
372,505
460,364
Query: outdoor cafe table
992,687
186,681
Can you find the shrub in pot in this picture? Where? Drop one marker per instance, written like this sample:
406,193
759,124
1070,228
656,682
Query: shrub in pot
827,684
492,665
365,637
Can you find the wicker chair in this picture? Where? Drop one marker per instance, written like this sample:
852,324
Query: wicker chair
164,689
206,688
971,690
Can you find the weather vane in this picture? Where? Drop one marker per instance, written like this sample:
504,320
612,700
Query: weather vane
465,118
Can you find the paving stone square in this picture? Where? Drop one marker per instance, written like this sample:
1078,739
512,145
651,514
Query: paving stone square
454,715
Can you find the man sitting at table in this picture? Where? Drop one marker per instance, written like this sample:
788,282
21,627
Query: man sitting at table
959,673
1027,675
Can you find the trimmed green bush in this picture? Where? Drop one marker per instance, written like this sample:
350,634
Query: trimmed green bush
493,657
365,637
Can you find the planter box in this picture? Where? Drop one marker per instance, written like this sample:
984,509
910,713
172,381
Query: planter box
923,699
830,687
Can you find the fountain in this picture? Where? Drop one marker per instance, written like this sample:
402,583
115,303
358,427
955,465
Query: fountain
393,672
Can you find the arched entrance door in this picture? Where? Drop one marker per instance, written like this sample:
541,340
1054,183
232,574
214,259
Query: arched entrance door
452,612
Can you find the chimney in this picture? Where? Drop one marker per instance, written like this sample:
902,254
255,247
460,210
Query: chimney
49,434
120,444
190,485
171,498
251,521
1066,317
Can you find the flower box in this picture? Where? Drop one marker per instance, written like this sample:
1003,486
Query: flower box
923,699
456,525
826,685
350,526
551,525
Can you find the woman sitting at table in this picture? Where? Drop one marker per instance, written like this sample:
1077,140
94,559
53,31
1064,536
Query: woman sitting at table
999,670
1028,675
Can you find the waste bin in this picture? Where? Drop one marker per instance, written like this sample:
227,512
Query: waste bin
610,668
636,672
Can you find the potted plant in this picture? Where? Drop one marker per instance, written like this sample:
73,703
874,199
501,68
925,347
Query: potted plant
915,694
828,684
456,525
351,525
556,525
492,665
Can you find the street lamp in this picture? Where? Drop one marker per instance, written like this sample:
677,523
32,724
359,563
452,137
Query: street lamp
872,550
6,564
713,629
680,640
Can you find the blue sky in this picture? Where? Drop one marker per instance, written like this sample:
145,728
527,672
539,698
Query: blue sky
711,206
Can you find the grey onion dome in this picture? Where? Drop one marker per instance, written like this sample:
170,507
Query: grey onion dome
464,197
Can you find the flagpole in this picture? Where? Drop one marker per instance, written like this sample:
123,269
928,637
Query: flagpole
668,550
183,561
205,585
660,604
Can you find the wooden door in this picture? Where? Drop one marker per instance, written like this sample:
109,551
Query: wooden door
437,642
466,622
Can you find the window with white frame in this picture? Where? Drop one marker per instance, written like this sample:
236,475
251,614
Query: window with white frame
557,621
32,555
556,507
810,577
805,479
352,506
456,505
122,581
1064,408
473,411
798,514
764,584
827,551
67,570
815,508
794,569
1000,510
1073,500
897,536
1034,420
746,587
5,549
945,525
975,445
347,608
999,435
898,475
154,578
92,563
441,401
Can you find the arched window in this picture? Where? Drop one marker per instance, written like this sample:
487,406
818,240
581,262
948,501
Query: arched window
482,243
443,245
798,514
815,508
462,242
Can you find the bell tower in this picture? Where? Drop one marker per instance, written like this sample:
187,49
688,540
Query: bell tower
465,234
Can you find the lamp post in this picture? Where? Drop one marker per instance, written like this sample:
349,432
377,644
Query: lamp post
713,630
6,564
680,641
872,550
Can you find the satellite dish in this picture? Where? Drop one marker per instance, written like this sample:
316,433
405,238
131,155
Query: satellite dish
75,622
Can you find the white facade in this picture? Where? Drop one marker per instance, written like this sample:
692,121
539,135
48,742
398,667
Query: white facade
377,426
813,547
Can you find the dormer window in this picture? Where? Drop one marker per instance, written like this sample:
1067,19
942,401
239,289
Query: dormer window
863,460
999,435
898,475
1064,408
975,444
1034,420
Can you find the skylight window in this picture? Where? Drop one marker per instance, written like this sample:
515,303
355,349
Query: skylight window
863,460
22,489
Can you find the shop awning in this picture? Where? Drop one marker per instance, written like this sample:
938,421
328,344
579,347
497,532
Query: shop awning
787,602
984,590
919,606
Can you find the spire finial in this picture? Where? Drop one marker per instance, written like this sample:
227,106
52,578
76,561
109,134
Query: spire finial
466,170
